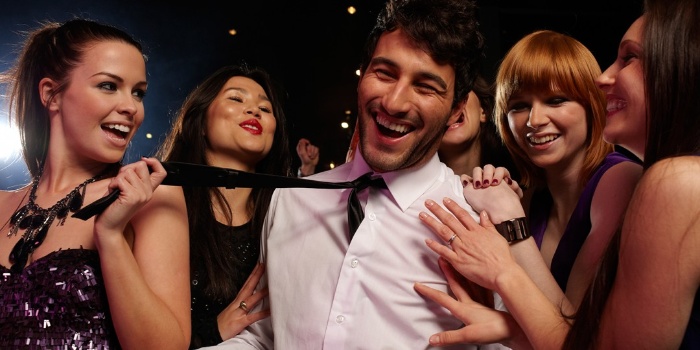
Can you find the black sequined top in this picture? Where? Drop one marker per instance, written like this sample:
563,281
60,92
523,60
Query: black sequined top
56,302
244,247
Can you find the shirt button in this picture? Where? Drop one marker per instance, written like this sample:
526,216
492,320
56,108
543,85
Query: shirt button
372,216
339,319
354,263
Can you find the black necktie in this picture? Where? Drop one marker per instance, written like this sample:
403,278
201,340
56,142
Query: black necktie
185,174
355,213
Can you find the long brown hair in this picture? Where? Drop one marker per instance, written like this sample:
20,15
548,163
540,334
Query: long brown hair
671,61
186,143
52,51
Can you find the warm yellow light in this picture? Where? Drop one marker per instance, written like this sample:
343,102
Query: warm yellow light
232,31
332,165
351,10
357,72
149,136
344,125
347,112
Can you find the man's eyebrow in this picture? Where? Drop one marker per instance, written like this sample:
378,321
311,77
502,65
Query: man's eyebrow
382,60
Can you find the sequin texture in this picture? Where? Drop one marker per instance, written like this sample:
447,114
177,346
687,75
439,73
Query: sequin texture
56,302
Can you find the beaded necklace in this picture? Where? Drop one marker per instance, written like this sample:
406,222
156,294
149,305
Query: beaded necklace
37,220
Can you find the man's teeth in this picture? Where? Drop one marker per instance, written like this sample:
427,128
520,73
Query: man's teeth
383,121
118,127
616,105
543,139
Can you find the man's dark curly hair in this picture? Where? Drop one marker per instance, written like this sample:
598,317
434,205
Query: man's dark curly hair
446,29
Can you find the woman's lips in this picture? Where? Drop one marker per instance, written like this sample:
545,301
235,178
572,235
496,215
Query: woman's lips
252,126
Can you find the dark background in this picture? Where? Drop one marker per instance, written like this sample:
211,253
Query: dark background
311,47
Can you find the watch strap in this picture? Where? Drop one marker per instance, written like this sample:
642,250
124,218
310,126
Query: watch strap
514,230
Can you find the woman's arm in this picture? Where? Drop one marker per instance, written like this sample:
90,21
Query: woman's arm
481,255
147,282
659,265
502,203
610,200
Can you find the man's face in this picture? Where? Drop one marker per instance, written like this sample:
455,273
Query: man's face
404,104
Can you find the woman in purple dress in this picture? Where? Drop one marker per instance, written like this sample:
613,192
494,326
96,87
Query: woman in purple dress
645,293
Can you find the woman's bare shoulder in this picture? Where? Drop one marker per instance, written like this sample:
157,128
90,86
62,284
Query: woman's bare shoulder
671,182
679,171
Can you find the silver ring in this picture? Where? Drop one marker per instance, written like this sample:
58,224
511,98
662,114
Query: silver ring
449,241
243,306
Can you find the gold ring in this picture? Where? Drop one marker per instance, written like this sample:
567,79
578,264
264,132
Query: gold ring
452,238
243,306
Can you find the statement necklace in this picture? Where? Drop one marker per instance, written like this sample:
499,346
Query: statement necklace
37,220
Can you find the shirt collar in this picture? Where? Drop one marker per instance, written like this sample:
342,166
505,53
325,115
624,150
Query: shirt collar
405,185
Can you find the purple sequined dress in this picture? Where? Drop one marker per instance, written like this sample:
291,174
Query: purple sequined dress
56,302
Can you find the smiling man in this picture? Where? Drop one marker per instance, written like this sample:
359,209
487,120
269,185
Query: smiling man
330,289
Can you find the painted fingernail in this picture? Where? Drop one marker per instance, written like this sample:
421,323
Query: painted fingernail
495,182
509,181
465,183
486,182
477,183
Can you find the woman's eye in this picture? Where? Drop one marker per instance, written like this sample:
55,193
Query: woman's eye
108,86
266,109
557,100
628,57
140,94
235,98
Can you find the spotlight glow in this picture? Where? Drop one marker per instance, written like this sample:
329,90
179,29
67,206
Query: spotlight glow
9,142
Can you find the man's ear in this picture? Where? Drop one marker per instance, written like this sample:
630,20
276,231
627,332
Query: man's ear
456,112
47,92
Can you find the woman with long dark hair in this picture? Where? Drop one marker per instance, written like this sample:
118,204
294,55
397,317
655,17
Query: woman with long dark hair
233,119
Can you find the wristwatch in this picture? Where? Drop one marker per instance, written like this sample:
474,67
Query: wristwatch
514,230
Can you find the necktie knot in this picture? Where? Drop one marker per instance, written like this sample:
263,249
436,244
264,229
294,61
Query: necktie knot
366,180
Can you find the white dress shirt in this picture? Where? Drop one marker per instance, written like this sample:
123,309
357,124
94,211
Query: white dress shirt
329,293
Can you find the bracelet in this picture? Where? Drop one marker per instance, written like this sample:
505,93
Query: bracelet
514,230
300,174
